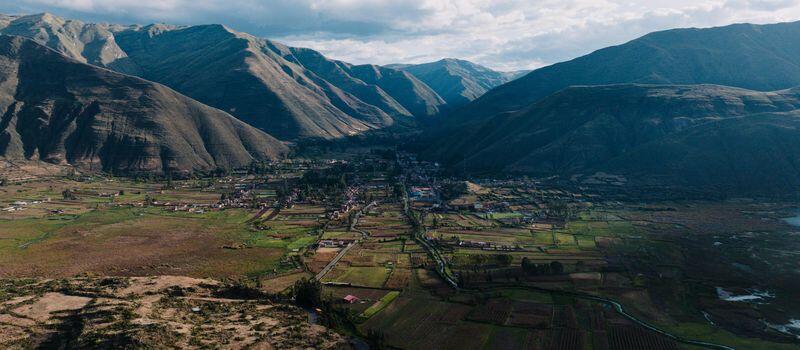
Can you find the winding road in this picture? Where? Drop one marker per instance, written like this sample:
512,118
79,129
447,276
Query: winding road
419,235
344,250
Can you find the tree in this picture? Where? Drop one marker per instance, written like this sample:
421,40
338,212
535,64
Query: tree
169,185
376,339
307,293
556,268
543,269
68,195
528,267
504,259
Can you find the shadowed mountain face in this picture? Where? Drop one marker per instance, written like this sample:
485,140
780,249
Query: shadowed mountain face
458,81
60,110
398,92
758,57
287,92
694,135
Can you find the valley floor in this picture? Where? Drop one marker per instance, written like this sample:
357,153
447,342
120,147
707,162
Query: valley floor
380,232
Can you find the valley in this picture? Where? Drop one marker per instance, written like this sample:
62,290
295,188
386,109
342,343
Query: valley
193,186
422,259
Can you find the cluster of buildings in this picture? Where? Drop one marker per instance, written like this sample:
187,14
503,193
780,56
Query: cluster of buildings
350,203
20,205
335,243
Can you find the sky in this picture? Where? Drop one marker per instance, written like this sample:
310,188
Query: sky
500,34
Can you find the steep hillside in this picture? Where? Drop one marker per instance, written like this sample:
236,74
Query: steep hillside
413,94
687,134
457,81
240,74
290,93
63,111
399,93
758,57
88,43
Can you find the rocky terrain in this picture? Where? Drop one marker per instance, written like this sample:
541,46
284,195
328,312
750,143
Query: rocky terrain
164,312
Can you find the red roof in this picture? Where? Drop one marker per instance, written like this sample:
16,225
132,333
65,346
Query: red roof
351,298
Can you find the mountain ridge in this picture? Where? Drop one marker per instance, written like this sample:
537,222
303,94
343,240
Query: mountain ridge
98,119
280,94
759,57
458,81
692,135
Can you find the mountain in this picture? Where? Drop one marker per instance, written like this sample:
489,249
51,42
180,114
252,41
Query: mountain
60,110
758,57
88,43
287,92
691,135
458,81
240,74
393,90
415,95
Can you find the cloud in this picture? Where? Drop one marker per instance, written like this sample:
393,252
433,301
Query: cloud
506,34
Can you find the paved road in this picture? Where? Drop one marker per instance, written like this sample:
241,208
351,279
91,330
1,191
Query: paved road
335,260
420,234
344,251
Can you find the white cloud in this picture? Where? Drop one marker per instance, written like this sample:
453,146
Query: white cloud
506,34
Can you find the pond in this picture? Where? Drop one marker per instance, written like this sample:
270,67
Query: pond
794,220
748,295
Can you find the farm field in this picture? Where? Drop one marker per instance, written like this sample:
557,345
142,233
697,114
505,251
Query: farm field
106,228
525,261
653,259
372,277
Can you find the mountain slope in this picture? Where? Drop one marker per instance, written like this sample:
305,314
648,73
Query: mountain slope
88,43
758,57
60,110
337,73
687,134
397,92
417,97
457,81
287,92
240,74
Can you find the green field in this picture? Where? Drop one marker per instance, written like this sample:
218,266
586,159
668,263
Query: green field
365,276
380,304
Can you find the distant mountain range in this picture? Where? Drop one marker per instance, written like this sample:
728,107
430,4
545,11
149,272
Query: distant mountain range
458,81
565,119
60,110
758,57
710,107
290,93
